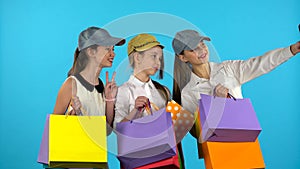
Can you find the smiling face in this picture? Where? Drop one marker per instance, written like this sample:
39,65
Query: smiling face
149,61
105,56
198,56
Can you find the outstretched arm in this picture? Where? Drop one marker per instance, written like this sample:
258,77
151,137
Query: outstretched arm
254,67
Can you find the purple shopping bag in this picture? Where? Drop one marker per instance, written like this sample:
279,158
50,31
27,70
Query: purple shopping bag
146,140
44,147
228,120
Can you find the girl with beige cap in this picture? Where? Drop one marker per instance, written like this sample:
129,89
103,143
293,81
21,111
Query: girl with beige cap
83,92
146,58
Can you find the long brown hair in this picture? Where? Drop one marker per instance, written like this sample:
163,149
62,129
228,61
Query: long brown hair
80,60
182,75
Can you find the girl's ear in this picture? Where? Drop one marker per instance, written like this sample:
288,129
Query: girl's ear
90,51
136,57
182,58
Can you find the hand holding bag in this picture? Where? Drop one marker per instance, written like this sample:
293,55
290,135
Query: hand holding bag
228,120
146,140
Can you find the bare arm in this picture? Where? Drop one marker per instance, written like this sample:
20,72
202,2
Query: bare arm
63,98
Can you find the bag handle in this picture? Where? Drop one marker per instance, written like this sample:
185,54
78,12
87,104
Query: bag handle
230,96
148,108
74,93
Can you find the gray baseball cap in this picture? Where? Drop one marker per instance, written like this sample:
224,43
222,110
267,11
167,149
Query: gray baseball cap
187,40
97,36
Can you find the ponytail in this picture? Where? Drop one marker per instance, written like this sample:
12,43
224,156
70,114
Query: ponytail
182,75
71,71
80,60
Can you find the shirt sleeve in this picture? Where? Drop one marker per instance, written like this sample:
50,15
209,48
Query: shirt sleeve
249,69
122,104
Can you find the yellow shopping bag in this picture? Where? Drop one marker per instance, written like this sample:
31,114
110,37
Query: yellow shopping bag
77,141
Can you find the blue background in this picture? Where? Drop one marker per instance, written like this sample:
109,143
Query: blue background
37,40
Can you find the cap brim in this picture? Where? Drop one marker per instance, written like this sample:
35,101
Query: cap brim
117,41
120,42
193,44
205,38
149,46
113,42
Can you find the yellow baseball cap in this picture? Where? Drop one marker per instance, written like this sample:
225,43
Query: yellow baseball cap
142,42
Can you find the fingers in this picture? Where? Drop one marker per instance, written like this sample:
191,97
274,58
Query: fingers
110,90
72,112
221,91
113,77
141,102
295,48
110,87
106,77
76,105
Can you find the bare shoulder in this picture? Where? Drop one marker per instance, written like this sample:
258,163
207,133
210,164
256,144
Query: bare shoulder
68,86
64,96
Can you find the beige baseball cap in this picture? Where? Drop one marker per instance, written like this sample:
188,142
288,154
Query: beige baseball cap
142,42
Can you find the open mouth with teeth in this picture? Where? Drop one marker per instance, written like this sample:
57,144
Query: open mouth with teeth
202,56
111,60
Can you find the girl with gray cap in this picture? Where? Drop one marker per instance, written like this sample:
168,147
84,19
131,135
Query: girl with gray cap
201,76
194,74
83,92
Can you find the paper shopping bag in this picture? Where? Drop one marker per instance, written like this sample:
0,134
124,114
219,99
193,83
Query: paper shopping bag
197,132
169,163
77,141
182,119
228,120
44,147
232,155
146,140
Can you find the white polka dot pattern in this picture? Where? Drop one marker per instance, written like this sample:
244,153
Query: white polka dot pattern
182,119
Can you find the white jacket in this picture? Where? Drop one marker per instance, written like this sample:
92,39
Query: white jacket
231,74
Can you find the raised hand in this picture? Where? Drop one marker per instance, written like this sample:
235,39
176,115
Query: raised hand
110,89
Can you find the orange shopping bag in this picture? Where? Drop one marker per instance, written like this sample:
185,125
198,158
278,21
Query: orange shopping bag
229,155
232,155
